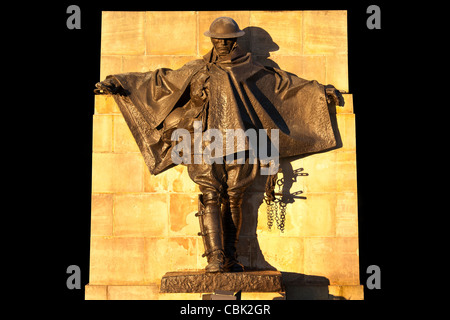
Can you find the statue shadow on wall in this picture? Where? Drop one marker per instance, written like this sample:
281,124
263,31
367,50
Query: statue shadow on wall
259,42
298,286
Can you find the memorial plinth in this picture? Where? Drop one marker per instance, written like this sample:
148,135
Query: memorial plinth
202,282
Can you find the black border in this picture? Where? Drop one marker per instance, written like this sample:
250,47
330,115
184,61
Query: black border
69,66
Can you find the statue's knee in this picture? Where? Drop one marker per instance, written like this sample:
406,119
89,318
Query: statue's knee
235,199
210,197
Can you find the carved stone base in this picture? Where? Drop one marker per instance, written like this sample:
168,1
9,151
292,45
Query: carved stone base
202,282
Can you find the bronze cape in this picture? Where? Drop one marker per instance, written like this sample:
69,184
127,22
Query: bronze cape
242,94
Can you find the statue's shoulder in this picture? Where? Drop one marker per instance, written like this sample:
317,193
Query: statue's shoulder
189,68
194,64
175,76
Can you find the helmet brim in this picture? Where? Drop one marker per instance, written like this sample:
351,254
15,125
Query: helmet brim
224,36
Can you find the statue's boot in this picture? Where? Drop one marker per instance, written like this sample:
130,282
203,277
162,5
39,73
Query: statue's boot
232,221
211,231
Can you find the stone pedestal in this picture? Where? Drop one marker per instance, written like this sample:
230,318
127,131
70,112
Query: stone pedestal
200,281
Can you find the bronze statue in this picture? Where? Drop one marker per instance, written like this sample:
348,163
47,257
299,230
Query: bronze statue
225,90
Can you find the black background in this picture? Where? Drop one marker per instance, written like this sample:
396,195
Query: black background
65,69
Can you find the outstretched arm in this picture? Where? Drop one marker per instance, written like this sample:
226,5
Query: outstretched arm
333,95
109,86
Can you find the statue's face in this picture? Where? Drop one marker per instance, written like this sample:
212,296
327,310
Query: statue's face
223,46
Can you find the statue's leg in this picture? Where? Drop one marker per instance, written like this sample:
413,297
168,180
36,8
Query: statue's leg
239,177
232,221
210,214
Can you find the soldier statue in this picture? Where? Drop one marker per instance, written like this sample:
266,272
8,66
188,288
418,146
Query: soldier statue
226,89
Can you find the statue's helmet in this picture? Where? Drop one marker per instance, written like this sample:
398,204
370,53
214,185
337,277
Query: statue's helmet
224,28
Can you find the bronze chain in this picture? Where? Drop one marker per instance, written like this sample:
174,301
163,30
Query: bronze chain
276,201
273,203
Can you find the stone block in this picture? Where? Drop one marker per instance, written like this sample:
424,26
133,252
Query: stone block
175,179
92,292
303,292
102,133
182,219
201,261
151,292
347,215
263,296
205,18
140,215
347,131
306,67
182,253
333,171
348,106
314,216
219,295
334,258
292,64
163,254
158,183
117,172
156,257
314,68
346,171
283,253
262,227
179,180
101,214
117,261
355,292
130,292
105,104
151,63
282,28
180,296
321,169
171,33
110,65
123,140
325,32
148,292
337,71
123,33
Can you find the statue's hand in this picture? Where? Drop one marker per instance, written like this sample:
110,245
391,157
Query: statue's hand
199,88
333,95
109,86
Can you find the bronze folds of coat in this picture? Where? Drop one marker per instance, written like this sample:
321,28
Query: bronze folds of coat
241,94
